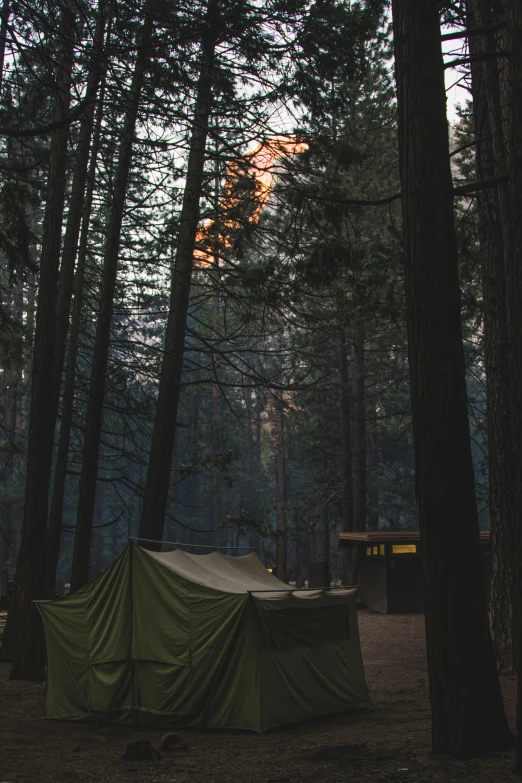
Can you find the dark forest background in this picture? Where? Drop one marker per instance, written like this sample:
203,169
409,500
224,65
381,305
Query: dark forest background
255,292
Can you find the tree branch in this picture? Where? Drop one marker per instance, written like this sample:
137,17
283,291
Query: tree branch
474,187
477,31
469,144
52,126
459,190
356,202
72,528
475,58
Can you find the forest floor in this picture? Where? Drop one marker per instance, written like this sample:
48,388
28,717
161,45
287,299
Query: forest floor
388,742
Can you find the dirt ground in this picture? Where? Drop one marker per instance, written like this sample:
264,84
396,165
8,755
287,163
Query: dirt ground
388,742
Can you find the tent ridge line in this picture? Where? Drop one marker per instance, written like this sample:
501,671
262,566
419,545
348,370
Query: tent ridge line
181,543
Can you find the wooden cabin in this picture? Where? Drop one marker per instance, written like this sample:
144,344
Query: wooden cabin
390,569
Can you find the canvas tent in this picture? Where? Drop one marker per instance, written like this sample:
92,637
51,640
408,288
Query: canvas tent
175,639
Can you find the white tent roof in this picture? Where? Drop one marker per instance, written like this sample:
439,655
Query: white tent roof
238,575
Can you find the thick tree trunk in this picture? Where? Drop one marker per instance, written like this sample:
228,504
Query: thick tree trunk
8,444
359,432
514,301
488,133
93,423
54,529
28,648
466,701
158,474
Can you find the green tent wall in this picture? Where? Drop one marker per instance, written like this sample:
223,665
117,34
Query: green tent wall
180,640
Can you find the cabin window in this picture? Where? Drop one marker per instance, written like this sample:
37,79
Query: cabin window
375,550
404,549
382,549
368,550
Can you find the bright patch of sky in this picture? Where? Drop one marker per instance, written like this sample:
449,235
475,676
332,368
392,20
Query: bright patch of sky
456,80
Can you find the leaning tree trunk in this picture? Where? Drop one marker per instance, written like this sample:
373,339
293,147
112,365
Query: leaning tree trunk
466,701
514,287
27,640
488,135
93,422
156,488
54,529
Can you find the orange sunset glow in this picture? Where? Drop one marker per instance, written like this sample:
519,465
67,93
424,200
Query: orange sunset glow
237,203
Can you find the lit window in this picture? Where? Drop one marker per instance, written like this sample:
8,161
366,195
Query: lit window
270,569
404,549
375,550
382,549
368,550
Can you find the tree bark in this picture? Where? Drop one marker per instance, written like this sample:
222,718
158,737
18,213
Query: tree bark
155,492
8,441
27,641
54,529
514,305
488,133
466,701
93,423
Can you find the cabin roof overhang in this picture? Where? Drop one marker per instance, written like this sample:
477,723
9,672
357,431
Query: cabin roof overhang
389,536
